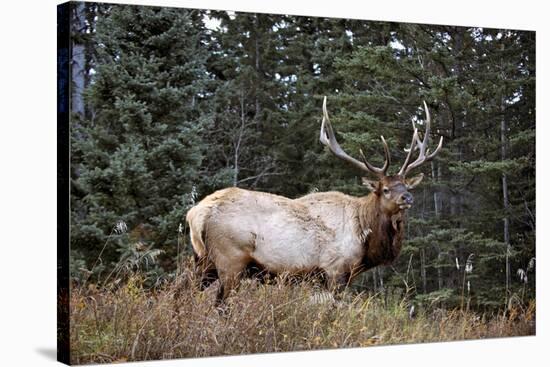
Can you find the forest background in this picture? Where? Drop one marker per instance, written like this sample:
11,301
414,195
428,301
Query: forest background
169,105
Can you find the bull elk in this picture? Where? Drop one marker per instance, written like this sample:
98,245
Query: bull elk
337,234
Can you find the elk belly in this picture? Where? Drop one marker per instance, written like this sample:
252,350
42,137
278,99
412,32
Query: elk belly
277,233
289,240
289,248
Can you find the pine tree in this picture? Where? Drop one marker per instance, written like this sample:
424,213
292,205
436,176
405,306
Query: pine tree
138,156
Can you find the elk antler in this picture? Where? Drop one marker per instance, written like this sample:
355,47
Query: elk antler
329,139
420,145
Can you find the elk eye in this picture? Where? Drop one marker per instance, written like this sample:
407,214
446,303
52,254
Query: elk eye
386,190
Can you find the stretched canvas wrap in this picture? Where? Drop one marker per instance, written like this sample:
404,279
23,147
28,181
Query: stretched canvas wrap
236,183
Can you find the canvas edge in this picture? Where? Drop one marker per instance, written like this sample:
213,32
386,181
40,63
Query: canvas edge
63,183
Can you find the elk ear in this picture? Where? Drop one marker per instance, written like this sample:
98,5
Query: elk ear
371,185
413,182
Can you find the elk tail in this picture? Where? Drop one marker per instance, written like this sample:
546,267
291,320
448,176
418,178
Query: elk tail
196,218
205,270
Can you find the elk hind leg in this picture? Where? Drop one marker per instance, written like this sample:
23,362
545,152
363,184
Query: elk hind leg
205,271
208,275
229,273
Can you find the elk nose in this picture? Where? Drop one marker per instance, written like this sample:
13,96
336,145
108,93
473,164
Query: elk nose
407,198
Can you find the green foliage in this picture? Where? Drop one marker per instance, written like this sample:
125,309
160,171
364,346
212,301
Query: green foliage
141,150
435,298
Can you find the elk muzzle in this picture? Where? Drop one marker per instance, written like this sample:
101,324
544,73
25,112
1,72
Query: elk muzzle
406,201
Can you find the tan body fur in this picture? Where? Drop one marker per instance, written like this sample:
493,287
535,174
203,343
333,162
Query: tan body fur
330,231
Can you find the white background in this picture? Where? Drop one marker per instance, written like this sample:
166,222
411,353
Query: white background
28,181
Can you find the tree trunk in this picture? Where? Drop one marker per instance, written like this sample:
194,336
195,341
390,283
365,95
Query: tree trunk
455,195
505,200
238,142
78,59
436,174
437,210
423,269
441,192
257,67
439,272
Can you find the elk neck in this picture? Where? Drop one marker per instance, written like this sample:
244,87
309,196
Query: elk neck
380,233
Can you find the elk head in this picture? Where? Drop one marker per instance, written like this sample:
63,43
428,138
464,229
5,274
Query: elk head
392,190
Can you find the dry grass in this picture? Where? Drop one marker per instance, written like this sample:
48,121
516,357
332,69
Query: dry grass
127,322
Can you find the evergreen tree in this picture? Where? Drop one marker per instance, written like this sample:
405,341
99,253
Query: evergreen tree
137,158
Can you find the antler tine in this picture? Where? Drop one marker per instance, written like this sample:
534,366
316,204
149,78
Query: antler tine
328,138
418,137
422,146
387,156
439,146
428,124
378,171
409,154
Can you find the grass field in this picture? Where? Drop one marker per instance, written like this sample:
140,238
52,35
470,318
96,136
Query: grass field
126,322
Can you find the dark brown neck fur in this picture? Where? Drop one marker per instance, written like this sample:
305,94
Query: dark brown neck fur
385,233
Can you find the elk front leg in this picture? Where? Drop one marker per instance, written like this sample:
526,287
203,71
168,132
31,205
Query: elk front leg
338,282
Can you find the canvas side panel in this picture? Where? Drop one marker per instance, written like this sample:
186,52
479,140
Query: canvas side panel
63,100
